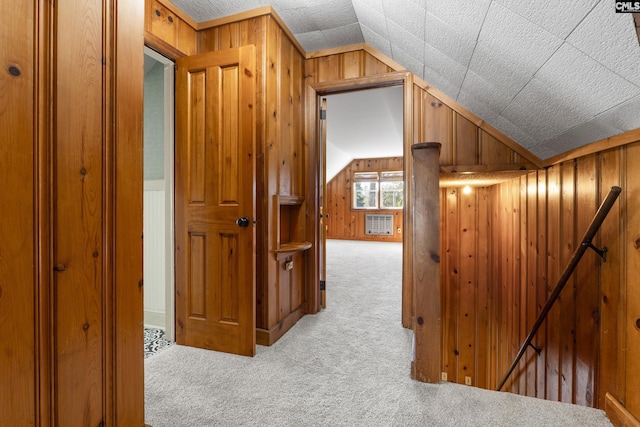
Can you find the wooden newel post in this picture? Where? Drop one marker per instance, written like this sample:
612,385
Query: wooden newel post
425,364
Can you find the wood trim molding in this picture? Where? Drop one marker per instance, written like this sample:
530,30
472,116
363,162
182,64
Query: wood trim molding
618,414
162,47
628,137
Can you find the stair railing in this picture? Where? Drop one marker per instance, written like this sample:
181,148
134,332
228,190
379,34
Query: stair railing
597,221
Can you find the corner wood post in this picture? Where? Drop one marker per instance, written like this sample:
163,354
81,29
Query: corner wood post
425,364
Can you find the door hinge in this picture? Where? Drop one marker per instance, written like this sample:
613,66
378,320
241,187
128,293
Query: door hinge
323,285
323,114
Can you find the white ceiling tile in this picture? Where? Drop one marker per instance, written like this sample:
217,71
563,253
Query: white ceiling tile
515,132
371,18
499,70
298,21
373,4
404,40
281,5
513,40
343,36
408,15
557,17
582,83
376,41
544,151
625,116
478,87
479,107
438,81
465,15
411,63
333,14
541,113
583,134
453,42
610,38
312,41
444,65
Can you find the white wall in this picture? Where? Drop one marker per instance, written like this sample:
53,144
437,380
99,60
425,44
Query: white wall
154,254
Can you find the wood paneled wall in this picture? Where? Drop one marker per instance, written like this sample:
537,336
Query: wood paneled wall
71,171
344,222
165,25
281,293
505,248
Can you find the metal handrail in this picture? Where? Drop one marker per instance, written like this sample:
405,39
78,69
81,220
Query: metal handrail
597,221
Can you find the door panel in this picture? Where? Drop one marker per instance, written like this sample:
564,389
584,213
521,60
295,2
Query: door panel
215,256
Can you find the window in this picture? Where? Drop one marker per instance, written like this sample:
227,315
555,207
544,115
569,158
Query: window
365,190
371,190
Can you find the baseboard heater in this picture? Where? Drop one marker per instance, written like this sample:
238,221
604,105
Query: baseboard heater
378,225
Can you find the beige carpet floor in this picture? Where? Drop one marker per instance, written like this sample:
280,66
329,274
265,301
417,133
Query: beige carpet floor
346,366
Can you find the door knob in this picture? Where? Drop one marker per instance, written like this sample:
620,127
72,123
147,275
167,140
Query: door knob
242,222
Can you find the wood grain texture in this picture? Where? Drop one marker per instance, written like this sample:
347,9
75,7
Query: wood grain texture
426,264
344,222
18,256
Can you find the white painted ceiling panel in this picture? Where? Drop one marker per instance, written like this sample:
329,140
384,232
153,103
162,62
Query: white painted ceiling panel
591,88
537,70
603,36
406,14
557,17
444,65
377,41
406,41
371,18
477,86
454,42
540,113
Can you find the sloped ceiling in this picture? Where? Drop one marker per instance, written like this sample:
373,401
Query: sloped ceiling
363,124
551,75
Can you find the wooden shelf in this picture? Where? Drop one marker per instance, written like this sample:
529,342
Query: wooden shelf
290,248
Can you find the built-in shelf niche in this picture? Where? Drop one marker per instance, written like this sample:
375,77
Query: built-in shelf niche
291,219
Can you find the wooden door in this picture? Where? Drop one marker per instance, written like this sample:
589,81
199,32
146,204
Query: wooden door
214,201
323,202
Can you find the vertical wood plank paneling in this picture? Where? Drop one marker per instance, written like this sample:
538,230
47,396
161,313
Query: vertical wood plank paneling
531,268
611,355
465,141
18,284
78,217
347,223
352,64
587,286
542,283
437,126
521,277
126,371
449,294
553,264
567,301
632,292
482,328
467,274
493,152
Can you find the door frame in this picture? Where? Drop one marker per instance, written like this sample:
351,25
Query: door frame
169,160
314,93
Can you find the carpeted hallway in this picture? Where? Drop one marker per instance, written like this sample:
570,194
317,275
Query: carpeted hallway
346,366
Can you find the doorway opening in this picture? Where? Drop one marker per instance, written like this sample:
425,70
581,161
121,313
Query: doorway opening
403,127
158,208
364,177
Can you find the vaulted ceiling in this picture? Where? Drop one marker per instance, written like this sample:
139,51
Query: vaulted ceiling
551,75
